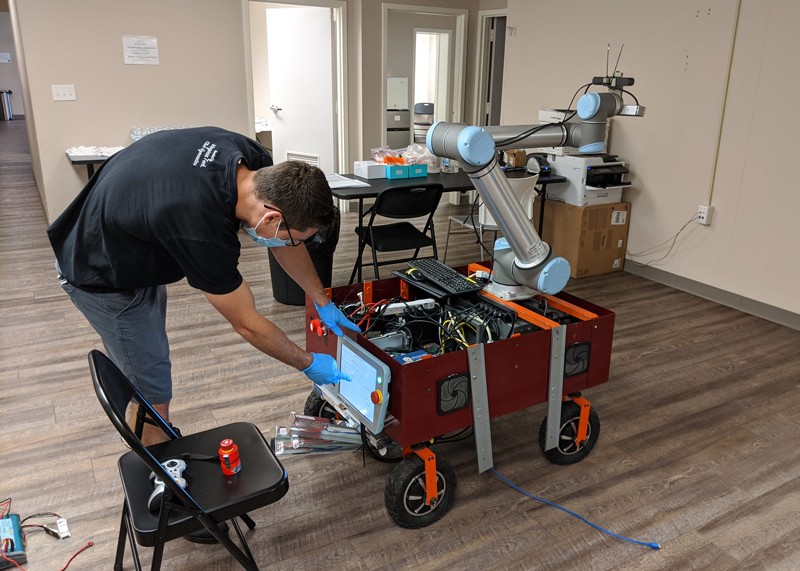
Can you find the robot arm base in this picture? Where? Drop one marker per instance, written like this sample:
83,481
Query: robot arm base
510,279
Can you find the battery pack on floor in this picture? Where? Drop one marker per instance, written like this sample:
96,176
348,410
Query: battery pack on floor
11,541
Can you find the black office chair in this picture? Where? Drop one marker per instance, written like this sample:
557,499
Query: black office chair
398,203
210,497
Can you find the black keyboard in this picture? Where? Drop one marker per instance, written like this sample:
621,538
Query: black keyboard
444,276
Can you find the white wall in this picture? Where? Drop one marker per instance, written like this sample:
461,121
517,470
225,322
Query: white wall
200,80
683,152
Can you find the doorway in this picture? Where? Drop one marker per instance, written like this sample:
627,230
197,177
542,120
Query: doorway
432,71
398,52
300,116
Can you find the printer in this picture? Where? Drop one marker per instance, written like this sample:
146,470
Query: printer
591,179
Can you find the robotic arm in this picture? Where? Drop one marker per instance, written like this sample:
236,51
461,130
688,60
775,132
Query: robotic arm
523,262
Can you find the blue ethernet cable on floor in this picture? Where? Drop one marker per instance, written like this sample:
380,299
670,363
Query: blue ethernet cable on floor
651,545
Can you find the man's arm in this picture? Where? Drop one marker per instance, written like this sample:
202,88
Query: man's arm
239,308
297,263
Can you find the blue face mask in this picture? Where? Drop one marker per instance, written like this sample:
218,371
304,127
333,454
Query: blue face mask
273,242
266,242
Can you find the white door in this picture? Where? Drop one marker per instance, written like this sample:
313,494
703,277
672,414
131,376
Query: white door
301,84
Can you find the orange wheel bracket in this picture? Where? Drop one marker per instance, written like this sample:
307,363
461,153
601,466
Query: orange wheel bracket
583,420
429,459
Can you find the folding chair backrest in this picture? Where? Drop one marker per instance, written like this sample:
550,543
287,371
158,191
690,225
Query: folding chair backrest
408,202
115,391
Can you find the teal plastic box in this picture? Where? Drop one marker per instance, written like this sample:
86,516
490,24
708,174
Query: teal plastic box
417,170
396,171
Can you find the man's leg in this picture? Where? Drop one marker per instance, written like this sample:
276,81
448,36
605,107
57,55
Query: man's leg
151,434
132,325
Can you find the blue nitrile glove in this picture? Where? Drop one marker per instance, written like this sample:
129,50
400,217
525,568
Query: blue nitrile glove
323,370
333,317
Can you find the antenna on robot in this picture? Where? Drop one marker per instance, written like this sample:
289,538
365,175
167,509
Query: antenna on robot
617,64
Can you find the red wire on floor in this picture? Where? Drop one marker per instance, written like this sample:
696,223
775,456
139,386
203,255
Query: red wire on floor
81,550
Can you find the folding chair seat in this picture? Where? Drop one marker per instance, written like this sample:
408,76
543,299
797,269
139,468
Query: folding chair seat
210,497
400,203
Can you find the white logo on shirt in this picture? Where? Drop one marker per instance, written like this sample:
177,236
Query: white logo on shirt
208,149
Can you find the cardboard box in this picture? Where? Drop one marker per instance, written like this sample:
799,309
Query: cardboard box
417,170
516,158
396,171
591,238
369,169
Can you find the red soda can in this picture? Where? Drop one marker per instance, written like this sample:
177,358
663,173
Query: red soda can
229,457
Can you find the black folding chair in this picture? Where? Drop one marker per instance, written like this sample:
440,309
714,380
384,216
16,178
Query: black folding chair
398,203
210,497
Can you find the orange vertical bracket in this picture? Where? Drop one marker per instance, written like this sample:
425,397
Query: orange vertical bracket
367,290
403,289
583,420
429,458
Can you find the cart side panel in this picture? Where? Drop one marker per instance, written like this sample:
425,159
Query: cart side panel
517,371
602,337
414,398
599,333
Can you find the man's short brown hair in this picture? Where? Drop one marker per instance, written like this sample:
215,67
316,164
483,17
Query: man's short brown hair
300,191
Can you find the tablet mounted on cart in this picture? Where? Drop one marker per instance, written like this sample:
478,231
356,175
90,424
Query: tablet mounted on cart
366,397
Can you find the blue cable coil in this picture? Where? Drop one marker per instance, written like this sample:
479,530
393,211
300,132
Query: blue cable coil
650,544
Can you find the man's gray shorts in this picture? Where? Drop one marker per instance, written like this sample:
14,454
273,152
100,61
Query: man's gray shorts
132,325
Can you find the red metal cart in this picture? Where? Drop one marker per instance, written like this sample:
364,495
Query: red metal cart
440,395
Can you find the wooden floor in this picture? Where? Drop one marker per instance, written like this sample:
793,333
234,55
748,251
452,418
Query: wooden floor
699,447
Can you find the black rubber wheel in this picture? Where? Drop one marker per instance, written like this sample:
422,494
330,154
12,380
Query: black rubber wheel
567,452
405,492
390,454
318,406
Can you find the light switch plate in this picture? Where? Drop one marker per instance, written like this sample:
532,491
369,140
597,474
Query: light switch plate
64,93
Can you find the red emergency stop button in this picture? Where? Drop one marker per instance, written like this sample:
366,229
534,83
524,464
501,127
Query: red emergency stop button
376,397
318,327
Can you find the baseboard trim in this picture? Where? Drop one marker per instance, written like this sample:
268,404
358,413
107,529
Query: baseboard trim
751,306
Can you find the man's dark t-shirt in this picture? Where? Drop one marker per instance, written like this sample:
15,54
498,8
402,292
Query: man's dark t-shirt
161,209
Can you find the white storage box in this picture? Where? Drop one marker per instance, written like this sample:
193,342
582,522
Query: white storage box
369,169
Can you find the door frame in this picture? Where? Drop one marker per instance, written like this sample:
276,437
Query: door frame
482,71
341,147
459,54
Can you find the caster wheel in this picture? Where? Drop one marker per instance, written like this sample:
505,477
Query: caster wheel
405,493
318,406
390,454
567,451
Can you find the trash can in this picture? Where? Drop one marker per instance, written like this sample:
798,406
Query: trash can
5,98
320,249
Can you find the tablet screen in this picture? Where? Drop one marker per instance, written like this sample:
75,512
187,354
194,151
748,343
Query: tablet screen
369,375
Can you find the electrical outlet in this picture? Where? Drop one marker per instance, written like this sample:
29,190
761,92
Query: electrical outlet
704,212
63,92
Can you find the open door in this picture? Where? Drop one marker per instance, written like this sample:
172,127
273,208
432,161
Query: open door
302,85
